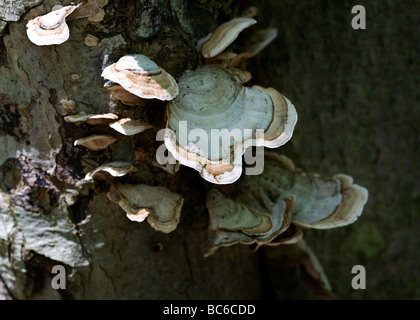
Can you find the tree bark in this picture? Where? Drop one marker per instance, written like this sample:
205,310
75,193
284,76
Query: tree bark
357,115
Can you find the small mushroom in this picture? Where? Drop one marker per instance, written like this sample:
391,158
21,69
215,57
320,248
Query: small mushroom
91,40
115,169
161,206
213,100
96,142
134,214
91,118
129,127
142,77
50,28
224,35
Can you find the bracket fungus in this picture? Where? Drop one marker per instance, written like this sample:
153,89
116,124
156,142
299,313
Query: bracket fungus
115,169
289,198
129,127
96,142
50,28
214,103
142,77
161,207
224,35
91,118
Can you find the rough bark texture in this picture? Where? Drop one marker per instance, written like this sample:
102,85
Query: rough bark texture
355,93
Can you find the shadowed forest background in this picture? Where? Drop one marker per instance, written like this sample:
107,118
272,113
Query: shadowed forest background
356,93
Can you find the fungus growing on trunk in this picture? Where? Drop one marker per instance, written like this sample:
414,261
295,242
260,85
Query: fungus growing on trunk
142,77
50,28
224,35
129,127
288,197
213,104
115,169
161,206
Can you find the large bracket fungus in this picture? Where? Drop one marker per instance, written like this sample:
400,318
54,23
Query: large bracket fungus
213,102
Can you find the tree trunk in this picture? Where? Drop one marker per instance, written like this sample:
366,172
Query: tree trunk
357,114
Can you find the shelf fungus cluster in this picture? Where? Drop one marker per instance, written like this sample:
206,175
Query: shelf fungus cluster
131,79
224,35
214,104
212,118
268,209
50,28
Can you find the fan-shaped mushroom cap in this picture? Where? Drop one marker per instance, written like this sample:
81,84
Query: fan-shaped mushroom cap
91,118
96,142
213,98
313,202
50,28
129,127
115,169
142,77
161,206
224,35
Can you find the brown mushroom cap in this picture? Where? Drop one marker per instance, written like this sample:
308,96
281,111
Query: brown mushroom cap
50,28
